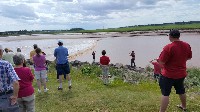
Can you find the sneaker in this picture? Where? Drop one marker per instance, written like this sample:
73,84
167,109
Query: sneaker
39,91
59,88
45,90
70,87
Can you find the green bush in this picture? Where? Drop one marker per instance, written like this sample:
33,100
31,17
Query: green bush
193,78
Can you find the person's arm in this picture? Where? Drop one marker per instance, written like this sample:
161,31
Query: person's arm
160,62
190,54
55,54
14,80
152,60
13,98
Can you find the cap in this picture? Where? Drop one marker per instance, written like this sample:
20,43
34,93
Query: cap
1,47
35,45
174,33
60,41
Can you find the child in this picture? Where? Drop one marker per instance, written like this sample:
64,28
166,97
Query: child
104,61
157,69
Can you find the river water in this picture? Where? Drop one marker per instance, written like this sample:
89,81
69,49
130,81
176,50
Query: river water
118,48
146,48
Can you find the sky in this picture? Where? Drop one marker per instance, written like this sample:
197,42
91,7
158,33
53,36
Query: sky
29,15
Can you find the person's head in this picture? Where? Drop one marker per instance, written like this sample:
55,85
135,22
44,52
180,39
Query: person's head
1,50
174,34
18,49
103,52
132,51
60,42
6,50
18,59
38,51
35,46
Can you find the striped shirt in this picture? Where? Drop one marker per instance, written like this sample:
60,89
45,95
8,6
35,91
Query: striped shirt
7,76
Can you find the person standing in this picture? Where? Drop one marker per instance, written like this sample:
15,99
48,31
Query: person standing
19,53
33,53
173,58
40,72
104,61
8,56
132,54
93,56
26,97
157,69
62,64
9,86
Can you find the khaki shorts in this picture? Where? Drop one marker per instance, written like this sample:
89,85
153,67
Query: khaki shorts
105,70
27,103
40,74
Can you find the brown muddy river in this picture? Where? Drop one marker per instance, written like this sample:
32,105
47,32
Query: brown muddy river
146,48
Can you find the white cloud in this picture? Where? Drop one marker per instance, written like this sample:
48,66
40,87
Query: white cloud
93,14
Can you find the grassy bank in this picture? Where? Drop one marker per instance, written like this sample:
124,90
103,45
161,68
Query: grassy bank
90,95
147,28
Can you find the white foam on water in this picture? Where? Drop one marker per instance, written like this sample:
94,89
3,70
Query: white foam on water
48,46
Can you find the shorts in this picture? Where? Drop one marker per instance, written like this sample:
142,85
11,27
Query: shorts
105,70
62,69
167,83
27,103
40,74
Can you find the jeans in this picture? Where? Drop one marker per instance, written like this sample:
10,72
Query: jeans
5,104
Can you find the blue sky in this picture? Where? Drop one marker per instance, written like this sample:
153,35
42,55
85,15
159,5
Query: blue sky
93,14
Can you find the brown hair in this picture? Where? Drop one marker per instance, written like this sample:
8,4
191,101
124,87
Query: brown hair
38,51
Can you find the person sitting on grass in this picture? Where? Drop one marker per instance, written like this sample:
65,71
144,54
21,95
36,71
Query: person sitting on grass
104,61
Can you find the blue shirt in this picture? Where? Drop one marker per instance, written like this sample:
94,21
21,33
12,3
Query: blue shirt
61,54
7,76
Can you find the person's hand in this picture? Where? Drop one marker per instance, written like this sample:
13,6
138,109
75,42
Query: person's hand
13,100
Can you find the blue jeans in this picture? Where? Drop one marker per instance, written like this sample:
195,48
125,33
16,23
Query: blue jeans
5,104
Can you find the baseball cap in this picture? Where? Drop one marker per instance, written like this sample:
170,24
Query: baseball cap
60,41
174,33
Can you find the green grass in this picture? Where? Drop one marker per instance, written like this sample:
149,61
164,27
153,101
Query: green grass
147,28
90,95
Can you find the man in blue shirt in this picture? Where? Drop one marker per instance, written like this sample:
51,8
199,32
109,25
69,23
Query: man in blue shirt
62,64
9,86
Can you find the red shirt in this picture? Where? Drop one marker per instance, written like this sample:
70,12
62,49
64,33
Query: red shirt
25,84
157,67
104,60
174,56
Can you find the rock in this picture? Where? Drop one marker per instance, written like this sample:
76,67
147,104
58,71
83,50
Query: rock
119,65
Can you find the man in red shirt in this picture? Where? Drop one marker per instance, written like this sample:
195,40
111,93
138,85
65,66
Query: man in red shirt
173,58
104,61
